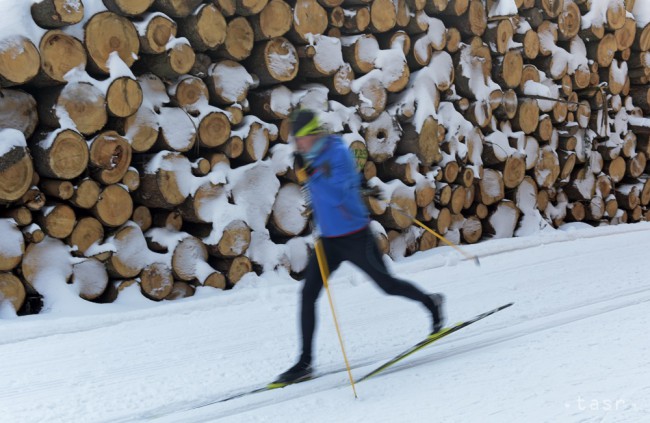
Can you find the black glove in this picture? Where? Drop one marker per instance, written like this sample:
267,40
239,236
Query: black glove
368,191
300,163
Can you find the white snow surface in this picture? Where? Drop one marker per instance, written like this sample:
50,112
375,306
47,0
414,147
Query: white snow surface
641,13
12,243
503,8
573,348
231,77
9,139
597,14
328,52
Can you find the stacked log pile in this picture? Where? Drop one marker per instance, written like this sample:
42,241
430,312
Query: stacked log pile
147,140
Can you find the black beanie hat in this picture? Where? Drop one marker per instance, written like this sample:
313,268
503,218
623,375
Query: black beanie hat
305,122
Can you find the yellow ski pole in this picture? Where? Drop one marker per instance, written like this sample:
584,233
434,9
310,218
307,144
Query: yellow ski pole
324,271
434,233
301,175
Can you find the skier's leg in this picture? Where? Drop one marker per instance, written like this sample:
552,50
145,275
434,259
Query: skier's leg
310,292
367,257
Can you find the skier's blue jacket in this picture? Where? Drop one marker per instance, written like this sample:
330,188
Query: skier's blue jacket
334,185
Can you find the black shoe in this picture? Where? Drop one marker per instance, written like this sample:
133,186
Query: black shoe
437,313
298,373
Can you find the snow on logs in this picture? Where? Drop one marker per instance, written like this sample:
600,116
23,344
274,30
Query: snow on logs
143,143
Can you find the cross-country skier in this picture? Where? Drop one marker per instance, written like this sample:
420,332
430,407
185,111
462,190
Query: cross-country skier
342,218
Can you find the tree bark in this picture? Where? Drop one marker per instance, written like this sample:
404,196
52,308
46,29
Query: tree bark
425,144
130,8
176,8
473,22
57,13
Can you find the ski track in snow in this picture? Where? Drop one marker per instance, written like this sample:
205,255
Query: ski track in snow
477,341
171,363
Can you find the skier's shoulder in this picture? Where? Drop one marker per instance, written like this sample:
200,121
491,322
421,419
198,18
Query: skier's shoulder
334,141
336,147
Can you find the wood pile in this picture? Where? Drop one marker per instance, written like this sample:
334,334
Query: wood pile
146,141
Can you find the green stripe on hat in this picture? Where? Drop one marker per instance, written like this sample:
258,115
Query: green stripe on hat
310,128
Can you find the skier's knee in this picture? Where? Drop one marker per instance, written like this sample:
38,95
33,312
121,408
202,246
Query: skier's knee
390,288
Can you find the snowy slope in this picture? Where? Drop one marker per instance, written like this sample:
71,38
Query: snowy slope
573,348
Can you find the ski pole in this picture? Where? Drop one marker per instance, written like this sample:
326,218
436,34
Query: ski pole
324,271
434,233
301,175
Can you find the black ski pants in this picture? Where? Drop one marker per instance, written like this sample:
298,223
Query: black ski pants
359,248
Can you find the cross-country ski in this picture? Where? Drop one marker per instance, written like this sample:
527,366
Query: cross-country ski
420,345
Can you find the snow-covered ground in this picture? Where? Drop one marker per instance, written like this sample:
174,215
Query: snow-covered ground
573,348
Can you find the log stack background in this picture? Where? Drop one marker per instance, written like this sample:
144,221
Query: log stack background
149,123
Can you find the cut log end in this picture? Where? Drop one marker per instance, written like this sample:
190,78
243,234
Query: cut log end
12,290
123,97
107,32
16,171
60,53
156,281
110,157
66,156
19,61
114,206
